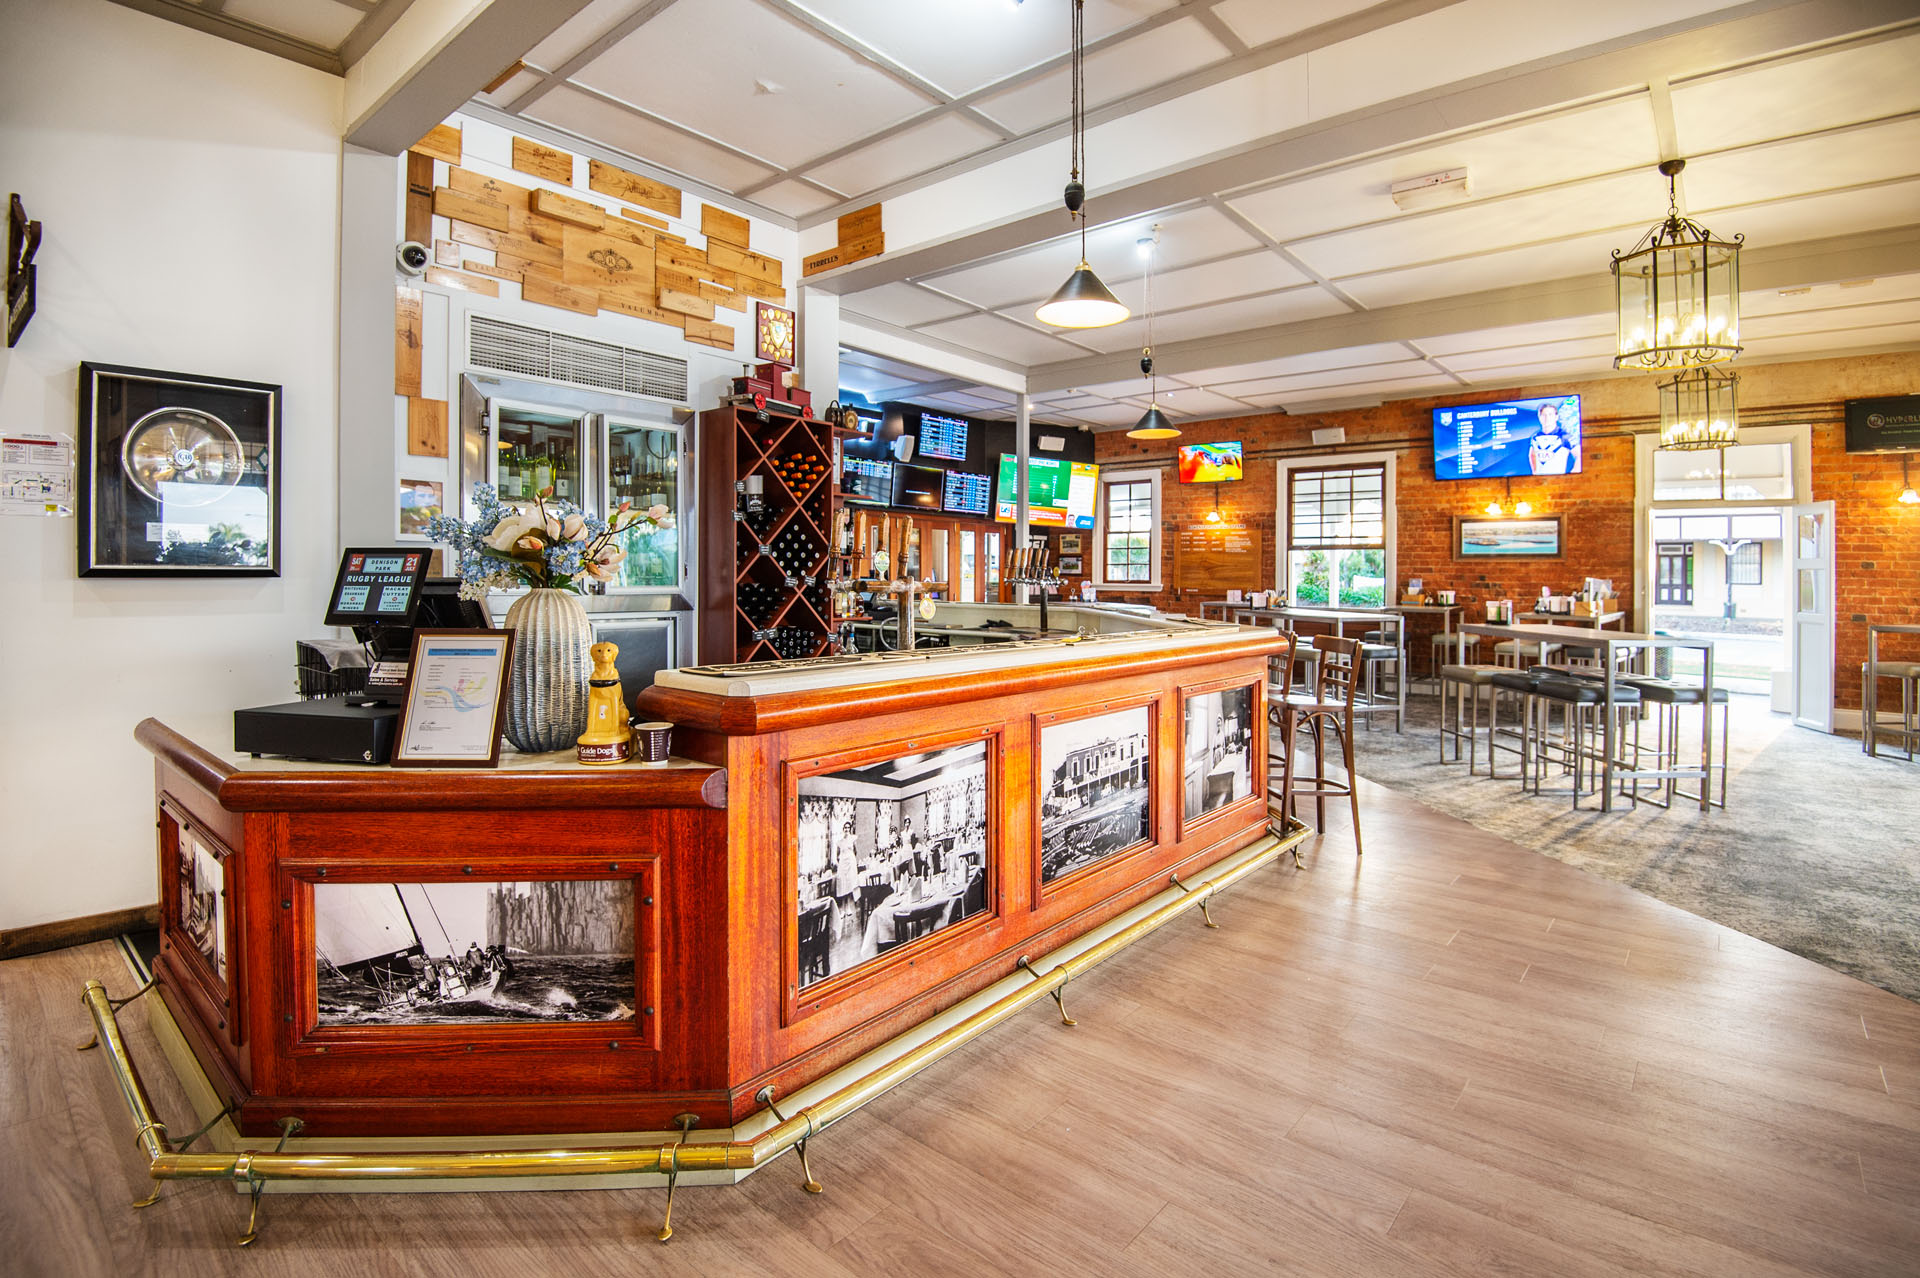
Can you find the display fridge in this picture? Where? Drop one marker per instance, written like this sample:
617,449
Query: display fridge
596,451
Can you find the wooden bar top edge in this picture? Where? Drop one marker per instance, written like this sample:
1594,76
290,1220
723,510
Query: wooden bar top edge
786,711
375,789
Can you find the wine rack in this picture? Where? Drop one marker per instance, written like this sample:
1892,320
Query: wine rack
766,490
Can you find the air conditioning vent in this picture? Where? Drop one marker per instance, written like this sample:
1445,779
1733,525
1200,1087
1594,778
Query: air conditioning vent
526,351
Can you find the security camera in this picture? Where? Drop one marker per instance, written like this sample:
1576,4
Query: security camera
412,257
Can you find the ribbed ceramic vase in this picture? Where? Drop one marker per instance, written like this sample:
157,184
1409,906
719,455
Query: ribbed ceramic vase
547,690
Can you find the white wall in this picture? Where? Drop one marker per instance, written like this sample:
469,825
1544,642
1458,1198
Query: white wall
189,188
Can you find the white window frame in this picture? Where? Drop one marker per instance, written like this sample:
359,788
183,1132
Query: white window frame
1155,546
1389,502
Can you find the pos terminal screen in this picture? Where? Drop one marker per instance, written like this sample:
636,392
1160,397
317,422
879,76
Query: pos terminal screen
377,587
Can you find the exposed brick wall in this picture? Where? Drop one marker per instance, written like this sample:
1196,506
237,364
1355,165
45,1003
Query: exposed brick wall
1877,543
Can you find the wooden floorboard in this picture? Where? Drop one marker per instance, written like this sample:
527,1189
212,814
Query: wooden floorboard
1452,1057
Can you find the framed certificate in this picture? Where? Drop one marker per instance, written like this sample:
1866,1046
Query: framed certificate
456,699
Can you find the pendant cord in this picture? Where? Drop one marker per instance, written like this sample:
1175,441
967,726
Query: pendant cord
1146,352
1078,126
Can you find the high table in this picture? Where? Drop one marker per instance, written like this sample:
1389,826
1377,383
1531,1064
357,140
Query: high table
1446,613
1870,693
1591,621
1614,641
1339,618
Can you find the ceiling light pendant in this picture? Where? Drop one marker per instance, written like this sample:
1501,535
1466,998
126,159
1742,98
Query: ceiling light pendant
1907,496
1153,423
1213,516
1677,293
1083,301
1699,409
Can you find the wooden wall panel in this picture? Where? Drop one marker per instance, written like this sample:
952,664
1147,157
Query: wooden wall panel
542,161
442,143
718,224
564,208
449,203
419,210
406,340
535,288
426,427
467,182
609,179
608,265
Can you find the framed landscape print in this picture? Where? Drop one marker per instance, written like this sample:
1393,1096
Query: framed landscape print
179,475
1507,538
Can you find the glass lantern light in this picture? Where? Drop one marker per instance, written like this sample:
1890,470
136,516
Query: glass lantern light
1699,409
1677,293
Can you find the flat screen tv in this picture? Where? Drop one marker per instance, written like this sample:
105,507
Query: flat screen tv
943,437
1887,425
965,493
869,482
1508,438
1210,463
1060,494
917,487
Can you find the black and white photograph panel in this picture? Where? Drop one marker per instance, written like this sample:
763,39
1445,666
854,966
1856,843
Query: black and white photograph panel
1219,750
474,952
1094,798
889,852
203,901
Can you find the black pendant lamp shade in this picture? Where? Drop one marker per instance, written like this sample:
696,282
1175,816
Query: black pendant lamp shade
1083,301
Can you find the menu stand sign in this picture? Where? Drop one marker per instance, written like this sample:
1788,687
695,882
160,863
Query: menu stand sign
456,699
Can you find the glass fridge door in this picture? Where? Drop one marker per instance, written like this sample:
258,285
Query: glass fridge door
644,469
535,447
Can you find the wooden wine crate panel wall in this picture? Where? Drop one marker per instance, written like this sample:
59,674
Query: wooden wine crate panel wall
586,256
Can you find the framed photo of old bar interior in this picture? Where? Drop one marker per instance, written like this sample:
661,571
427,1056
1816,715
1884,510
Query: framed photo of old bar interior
1218,748
1095,788
179,475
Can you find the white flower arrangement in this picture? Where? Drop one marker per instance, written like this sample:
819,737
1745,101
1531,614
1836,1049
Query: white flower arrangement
552,545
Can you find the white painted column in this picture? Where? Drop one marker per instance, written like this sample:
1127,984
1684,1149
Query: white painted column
369,421
820,346
1022,450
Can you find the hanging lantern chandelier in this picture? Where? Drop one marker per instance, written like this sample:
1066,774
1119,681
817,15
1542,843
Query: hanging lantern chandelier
1677,293
1153,423
1699,409
1083,301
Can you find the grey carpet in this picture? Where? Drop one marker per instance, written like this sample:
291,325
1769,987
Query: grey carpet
1818,851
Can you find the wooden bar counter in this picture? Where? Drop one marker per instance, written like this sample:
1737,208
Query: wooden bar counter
840,850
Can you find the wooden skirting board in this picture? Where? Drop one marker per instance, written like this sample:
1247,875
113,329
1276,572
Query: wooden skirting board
38,938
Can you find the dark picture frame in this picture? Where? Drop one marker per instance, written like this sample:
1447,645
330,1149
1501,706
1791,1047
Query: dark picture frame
415,707
1536,537
179,475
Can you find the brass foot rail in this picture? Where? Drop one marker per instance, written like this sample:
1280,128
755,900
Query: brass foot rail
669,1158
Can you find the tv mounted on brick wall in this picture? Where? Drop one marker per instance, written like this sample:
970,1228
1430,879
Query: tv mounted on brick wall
1507,438
1211,463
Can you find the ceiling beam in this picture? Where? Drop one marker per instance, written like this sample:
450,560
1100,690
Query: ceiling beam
210,20
436,56
1847,257
1764,29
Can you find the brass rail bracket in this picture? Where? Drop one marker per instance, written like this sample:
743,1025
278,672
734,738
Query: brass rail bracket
812,1186
686,1123
113,1004
1204,898
1059,992
255,1184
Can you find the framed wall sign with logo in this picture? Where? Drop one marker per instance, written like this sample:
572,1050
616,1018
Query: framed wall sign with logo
179,475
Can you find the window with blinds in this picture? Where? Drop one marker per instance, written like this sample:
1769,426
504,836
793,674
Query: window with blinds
1337,507
1128,552
1743,565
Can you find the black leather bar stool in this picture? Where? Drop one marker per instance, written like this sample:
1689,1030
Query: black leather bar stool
1460,687
1667,697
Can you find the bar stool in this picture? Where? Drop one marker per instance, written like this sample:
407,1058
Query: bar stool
1908,673
1454,649
1519,653
1379,650
1582,701
1329,713
1459,684
1667,697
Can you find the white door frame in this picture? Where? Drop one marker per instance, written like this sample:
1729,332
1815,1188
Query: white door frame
1812,639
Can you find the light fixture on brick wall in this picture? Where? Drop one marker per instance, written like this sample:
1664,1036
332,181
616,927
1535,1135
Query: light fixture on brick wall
1213,516
1083,301
1153,423
1907,496
1498,510
1699,409
1677,293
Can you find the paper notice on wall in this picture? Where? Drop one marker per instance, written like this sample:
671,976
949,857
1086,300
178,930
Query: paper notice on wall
36,475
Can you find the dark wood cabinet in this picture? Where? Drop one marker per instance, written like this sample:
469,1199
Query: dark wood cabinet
763,592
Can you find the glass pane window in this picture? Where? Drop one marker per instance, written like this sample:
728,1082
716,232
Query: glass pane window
1743,472
1128,552
1743,565
643,468
1336,536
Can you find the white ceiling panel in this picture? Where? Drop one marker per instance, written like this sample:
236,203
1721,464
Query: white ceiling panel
1181,402
1002,339
1753,327
1868,154
1598,349
1112,416
732,71
899,370
1860,293
1392,371
1259,22
963,45
1532,374
903,304
1815,216
1177,49
1550,214
1361,393
795,199
1848,85
911,151
1206,321
579,31
1249,273
320,22
868,382
1561,147
1285,365
1488,339
1191,235
1563,259
636,135
1841,343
